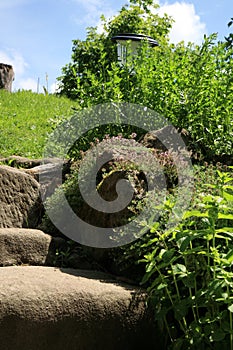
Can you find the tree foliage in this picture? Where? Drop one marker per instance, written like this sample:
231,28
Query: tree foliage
97,53
191,85
229,38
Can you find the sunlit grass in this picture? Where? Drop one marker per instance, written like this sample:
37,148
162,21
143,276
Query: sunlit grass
26,118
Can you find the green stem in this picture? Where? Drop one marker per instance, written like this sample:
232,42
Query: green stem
195,288
172,303
231,331
190,289
184,326
214,262
230,320
208,256
168,329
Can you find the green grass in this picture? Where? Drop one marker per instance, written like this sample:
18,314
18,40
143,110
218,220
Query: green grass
26,119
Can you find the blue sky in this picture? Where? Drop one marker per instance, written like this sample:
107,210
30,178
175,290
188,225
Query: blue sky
36,35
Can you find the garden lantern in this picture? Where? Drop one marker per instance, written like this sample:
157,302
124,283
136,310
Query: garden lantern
130,43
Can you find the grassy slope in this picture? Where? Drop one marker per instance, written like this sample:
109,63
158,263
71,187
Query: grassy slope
26,118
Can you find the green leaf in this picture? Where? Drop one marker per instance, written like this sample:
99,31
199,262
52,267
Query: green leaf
161,313
150,266
189,280
196,328
194,213
230,187
228,179
218,335
161,286
155,227
215,287
155,284
167,255
225,216
230,308
226,326
227,230
147,276
183,243
181,308
179,269
229,256
227,196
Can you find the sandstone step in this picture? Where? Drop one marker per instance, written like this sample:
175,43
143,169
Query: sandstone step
20,246
27,246
46,308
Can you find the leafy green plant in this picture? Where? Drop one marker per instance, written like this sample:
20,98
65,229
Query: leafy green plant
63,255
189,272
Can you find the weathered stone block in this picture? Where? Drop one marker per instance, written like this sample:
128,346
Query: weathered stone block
6,76
20,204
28,246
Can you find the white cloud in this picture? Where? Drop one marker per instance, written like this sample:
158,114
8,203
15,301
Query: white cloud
108,15
27,84
187,26
10,56
54,88
91,11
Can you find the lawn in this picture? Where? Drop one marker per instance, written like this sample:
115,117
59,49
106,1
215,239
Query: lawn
26,119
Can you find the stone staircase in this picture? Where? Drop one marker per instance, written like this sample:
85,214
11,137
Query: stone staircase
43,307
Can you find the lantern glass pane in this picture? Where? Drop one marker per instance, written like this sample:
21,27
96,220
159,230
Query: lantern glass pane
124,48
122,52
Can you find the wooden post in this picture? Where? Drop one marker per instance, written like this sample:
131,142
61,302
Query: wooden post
6,76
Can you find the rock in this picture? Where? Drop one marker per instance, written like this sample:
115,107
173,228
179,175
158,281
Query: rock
44,170
18,161
49,175
28,246
6,76
20,199
166,136
26,163
22,246
47,171
43,308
